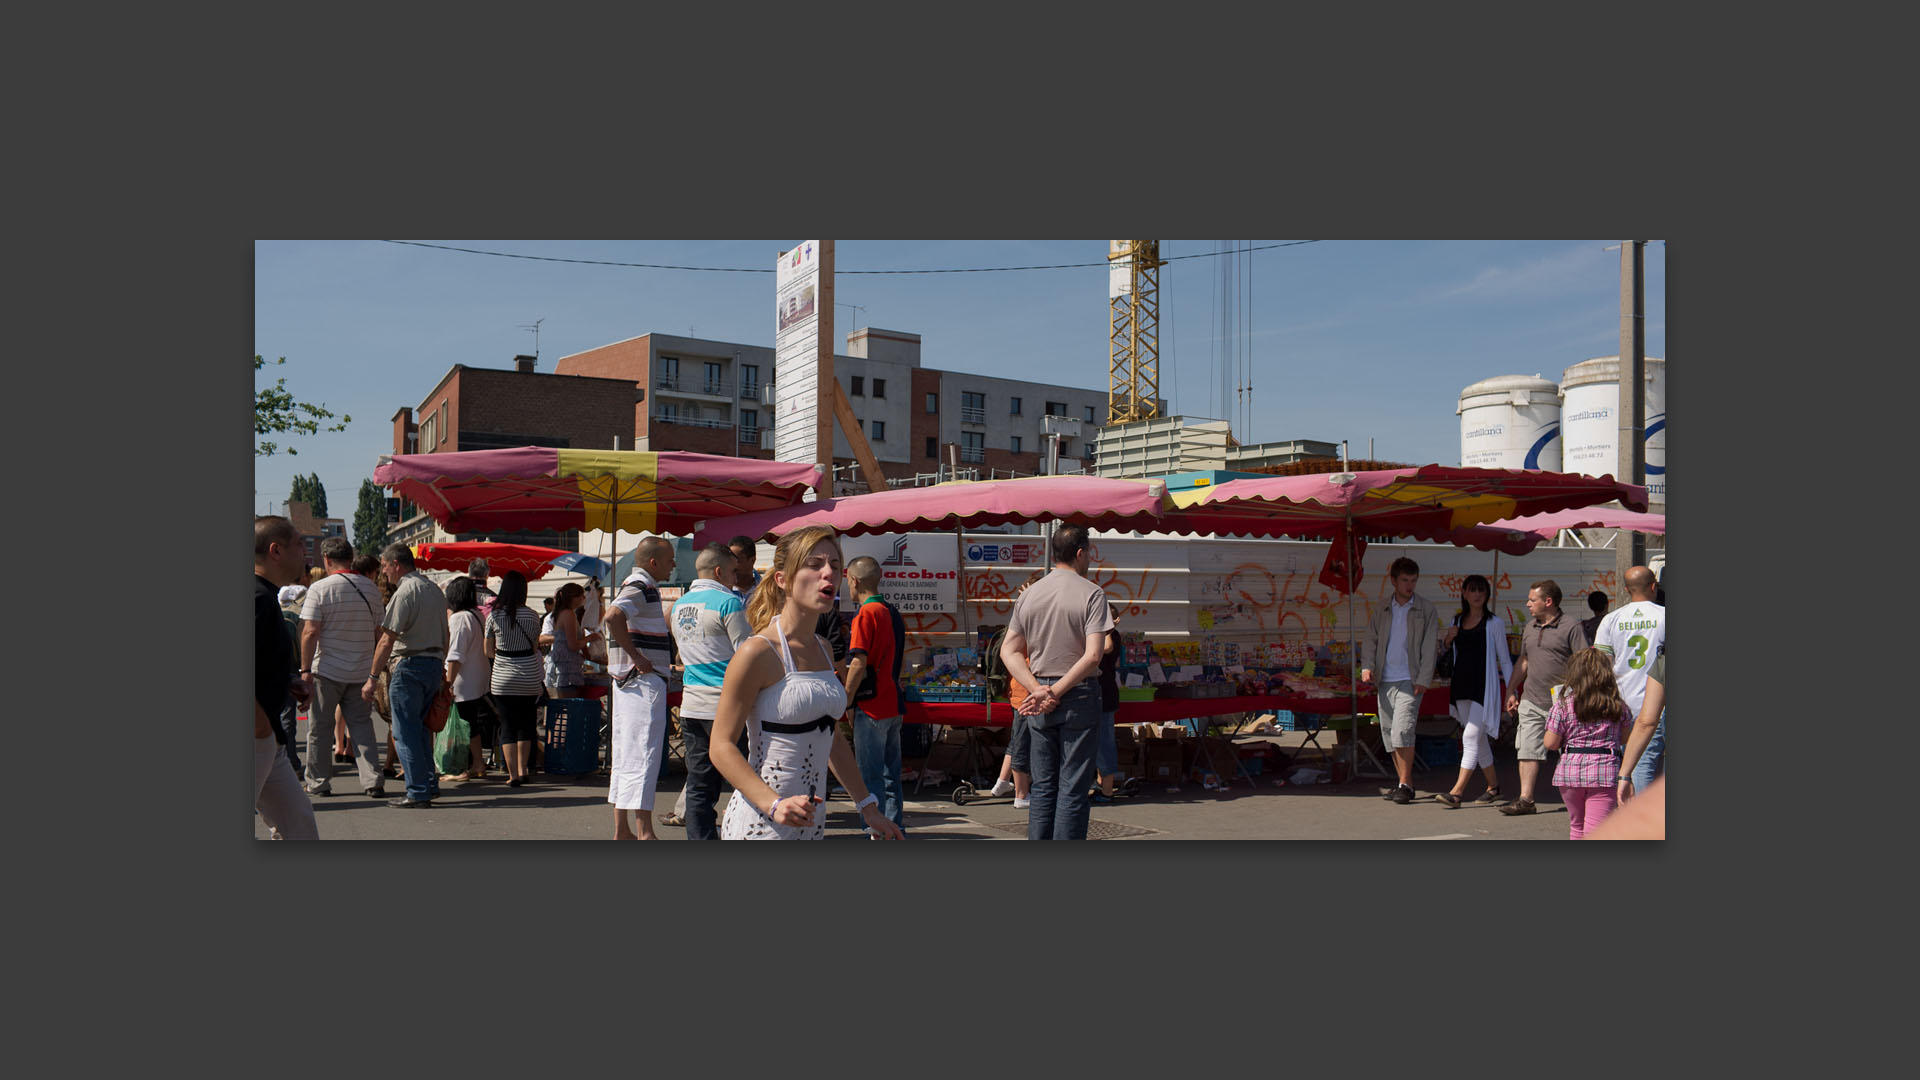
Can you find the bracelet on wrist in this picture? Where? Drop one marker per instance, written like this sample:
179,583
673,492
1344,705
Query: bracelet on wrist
870,800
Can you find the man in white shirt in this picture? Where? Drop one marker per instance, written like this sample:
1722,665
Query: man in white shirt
638,655
1402,644
1637,632
339,623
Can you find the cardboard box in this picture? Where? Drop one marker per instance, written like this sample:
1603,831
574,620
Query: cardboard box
1161,759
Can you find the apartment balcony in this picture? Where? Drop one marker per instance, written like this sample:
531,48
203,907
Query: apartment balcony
717,392
973,453
973,416
750,391
750,436
687,421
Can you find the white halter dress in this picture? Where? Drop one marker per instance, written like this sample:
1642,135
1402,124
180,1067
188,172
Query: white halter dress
790,735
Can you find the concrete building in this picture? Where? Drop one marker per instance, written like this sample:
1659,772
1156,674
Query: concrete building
667,392
1179,444
311,528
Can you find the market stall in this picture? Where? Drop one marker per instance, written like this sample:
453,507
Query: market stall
530,560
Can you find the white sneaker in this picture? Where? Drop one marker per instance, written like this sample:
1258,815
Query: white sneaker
1001,787
1021,804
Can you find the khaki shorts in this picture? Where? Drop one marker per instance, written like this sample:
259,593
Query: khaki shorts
1399,714
1530,734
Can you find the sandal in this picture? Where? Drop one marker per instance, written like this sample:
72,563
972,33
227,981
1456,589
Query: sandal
671,818
1491,795
1449,800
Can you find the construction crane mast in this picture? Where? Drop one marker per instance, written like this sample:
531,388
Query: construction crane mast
1133,330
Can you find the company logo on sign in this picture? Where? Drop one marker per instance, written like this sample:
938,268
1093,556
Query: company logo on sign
1484,432
899,556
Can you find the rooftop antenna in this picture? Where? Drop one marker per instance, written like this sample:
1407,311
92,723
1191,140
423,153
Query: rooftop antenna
536,335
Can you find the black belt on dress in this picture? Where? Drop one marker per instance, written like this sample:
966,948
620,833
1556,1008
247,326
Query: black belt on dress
825,723
513,652
1591,750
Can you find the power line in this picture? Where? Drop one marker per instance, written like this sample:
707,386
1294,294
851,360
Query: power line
743,270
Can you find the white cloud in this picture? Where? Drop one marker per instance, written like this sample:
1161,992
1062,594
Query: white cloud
1572,270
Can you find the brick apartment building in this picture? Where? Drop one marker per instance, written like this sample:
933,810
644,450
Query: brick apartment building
311,528
666,392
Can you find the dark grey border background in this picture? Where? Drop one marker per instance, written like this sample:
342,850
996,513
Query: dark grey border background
1337,158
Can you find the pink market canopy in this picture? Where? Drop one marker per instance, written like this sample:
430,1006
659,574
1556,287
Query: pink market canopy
1099,502
536,487
1547,526
1430,502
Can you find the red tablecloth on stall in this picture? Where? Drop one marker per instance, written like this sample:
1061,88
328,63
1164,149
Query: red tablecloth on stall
1163,710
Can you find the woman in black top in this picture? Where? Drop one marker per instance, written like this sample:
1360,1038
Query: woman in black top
1478,639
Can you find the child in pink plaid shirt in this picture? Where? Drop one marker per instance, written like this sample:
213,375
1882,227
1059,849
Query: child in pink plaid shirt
1585,725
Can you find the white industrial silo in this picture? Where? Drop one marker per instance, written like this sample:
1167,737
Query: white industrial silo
1590,422
1510,422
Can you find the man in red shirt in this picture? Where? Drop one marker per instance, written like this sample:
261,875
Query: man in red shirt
878,639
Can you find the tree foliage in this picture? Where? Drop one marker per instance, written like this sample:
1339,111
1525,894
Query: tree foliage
370,520
310,490
275,410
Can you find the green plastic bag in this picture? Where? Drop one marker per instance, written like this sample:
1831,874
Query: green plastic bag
451,750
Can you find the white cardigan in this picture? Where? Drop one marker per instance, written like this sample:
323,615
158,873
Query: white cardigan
1498,662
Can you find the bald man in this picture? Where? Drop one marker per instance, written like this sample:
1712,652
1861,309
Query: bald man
1637,632
638,655
876,645
709,623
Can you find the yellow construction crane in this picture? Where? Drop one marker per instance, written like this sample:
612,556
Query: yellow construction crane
1133,330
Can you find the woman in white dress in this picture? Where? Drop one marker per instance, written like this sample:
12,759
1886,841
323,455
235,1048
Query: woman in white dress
1481,665
781,689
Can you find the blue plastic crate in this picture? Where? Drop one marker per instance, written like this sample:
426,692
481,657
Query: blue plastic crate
1435,750
573,735
969,695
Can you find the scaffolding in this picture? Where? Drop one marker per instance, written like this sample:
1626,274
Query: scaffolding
1133,330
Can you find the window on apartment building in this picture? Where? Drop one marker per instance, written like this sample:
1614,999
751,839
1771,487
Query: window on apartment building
879,431
1089,414
973,407
714,384
858,382
1056,408
1066,447
443,422
879,388
749,380
933,444
669,371
1015,445
973,446
670,412
427,430
750,418
1013,408
933,404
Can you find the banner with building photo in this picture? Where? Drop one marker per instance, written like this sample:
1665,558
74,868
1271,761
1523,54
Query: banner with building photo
1119,270
796,353
919,572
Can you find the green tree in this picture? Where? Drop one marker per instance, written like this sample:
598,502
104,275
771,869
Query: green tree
370,520
275,410
310,490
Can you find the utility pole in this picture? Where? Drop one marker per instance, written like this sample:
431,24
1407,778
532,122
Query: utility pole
1630,548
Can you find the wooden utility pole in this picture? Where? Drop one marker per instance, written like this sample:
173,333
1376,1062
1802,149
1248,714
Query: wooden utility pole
1630,548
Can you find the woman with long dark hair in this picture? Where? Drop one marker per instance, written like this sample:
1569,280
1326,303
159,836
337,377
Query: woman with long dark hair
469,673
565,676
512,632
780,688
1587,725
1481,665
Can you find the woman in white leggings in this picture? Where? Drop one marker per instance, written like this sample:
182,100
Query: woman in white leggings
1481,666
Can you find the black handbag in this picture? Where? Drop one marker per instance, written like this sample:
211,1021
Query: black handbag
1443,664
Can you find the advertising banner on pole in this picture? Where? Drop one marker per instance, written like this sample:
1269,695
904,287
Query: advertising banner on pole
796,353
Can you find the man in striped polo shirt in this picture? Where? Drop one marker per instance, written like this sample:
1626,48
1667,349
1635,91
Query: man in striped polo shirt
638,658
709,623
341,625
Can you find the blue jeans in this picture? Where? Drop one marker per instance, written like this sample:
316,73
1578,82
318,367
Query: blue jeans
1108,752
703,780
876,745
414,682
1062,745
1650,757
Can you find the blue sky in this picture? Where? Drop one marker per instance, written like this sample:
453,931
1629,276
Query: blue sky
1347,339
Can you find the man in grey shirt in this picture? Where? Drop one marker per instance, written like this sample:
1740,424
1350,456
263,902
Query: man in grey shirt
1060,623
1547,641
414,633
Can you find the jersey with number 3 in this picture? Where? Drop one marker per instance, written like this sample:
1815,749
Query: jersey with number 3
1636,632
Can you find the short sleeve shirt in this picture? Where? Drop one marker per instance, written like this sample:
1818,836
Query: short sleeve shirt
418,617
476,675
638,601
1587,769
1636,633
347,610
874,636
273,663
1546,647
1055,615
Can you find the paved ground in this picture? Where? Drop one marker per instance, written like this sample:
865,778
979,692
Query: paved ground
566,808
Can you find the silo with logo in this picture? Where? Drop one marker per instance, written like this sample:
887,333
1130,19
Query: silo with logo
1590,422
1510,422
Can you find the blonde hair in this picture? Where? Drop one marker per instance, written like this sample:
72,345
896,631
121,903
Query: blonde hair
768,596
1590,683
